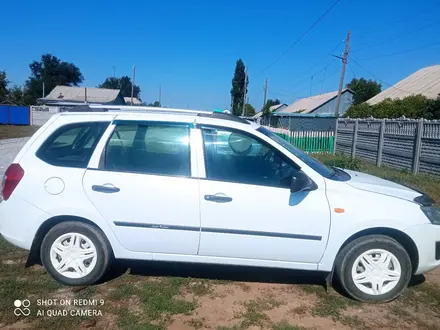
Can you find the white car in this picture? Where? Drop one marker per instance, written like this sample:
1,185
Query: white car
188,186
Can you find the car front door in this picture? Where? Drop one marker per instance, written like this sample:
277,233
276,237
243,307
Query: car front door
247,209
144,188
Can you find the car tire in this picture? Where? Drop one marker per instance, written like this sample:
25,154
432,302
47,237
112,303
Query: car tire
75,253
373,268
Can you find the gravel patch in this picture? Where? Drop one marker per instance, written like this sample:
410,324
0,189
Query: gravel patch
9,148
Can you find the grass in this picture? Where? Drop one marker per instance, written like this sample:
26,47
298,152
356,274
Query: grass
254,315
285,326
300,310
16,131
197,323
199,287
330,304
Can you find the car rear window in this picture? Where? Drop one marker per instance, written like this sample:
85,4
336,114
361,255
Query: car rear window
72,145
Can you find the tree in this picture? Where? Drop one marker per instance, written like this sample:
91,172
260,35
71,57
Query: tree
249,110
364,89
3,86
238,88
433,108
15,96
269,103
155,104
124,84
53,72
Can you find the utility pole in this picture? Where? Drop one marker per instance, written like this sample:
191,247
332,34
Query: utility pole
44,92
132,84
245,89
160,95
344,64
265,93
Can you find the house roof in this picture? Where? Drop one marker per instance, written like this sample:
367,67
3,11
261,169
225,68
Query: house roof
276,106
426,81
272,108
309,104
78,94
136,101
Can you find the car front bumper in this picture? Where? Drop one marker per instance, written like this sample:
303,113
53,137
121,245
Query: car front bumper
427,239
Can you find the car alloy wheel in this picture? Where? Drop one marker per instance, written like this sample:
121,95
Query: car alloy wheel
376,272
73,255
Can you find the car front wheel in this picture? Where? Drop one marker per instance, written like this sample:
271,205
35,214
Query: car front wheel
374,268
75,253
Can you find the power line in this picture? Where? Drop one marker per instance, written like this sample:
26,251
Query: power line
313,85
352,71
401,52
307,80
404,19
377,78
299,38
315,73
404,34
316,64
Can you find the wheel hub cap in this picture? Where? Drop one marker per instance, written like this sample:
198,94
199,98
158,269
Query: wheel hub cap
376,272
73,255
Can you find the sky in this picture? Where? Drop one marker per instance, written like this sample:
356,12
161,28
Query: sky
190,47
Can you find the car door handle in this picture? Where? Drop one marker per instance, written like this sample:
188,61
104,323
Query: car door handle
108,189
218,198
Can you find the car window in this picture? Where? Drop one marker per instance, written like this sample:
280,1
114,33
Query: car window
72,145
153,149
237,157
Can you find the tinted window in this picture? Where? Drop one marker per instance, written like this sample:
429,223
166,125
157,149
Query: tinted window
238,157
72,145
154,149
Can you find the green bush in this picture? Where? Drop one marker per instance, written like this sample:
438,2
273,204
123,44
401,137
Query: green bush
415,106
340,161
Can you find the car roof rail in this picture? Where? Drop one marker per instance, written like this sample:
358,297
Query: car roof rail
143,109
139,108
224,116
130,109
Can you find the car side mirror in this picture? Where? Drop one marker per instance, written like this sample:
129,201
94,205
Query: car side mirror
301,182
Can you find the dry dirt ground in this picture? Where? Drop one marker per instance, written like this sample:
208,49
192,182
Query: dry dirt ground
16,131
180,296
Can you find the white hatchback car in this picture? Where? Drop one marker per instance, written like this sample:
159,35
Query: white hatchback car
188,186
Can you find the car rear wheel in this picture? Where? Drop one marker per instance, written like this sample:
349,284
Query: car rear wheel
374,268
75,253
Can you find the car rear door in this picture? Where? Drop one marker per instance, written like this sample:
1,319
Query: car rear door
143,185
247,209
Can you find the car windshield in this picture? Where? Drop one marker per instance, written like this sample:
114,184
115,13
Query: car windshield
322,169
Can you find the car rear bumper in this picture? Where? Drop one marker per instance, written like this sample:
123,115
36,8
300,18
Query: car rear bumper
427,239
19,221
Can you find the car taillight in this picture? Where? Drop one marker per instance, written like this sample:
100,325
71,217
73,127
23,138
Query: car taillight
11,179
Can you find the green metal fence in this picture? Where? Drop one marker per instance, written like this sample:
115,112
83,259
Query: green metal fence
313,142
